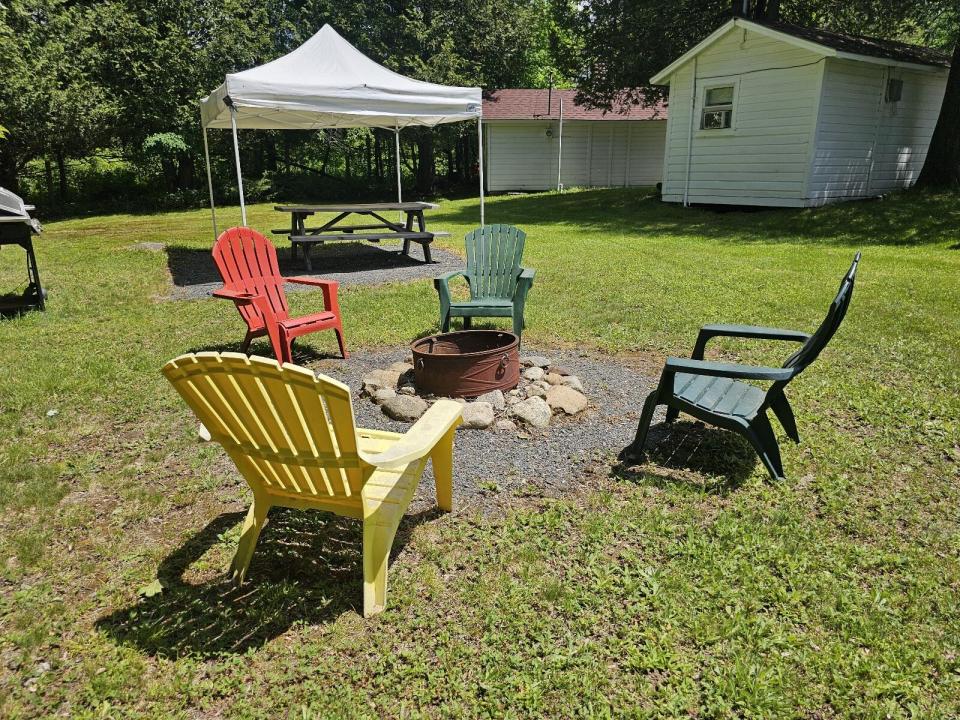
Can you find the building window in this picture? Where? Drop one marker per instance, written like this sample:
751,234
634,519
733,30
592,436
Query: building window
894,90
717,108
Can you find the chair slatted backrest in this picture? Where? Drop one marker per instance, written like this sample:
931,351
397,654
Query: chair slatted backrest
812,348
494,253
287,430
247,262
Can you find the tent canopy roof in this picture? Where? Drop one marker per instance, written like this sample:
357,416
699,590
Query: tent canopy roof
327,82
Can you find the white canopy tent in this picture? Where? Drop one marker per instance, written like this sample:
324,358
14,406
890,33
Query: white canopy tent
328,83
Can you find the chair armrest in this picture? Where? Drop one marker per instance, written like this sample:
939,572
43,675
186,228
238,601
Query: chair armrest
727,370
524,283
442,284
234,295
421,438
328,287
707,332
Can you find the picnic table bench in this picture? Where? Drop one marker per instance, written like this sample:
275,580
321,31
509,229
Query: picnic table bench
374,230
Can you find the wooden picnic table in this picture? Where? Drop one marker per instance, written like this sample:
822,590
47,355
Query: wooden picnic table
376,228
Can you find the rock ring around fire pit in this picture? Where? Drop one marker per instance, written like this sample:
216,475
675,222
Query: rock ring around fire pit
466,364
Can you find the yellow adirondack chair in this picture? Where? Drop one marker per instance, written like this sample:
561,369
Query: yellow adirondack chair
292,436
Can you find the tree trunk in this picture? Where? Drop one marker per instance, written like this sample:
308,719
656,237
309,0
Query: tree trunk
942,166
48,178
185,172
62,170
9,176
368,155
426,164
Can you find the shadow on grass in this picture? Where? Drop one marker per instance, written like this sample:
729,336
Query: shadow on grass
307,568
690,454
192,266
909,218
302,352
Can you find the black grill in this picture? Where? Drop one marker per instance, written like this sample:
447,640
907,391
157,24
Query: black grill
18,228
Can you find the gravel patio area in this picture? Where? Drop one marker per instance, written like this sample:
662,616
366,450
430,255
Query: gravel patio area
492,468
194,275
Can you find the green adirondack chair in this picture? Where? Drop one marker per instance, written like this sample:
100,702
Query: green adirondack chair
714,392
498,285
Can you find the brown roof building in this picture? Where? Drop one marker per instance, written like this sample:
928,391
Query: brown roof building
528,148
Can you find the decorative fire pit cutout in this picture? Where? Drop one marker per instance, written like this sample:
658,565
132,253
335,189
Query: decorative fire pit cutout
466,364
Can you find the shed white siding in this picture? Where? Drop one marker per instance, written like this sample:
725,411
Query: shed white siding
520,155
865,145
763,159
807,128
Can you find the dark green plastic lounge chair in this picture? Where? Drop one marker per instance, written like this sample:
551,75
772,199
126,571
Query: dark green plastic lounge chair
498,285
713,391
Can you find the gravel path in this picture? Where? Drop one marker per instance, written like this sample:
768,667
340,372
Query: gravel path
351,263
491,468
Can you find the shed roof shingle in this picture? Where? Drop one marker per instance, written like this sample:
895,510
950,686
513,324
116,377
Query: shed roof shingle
531,104
862,45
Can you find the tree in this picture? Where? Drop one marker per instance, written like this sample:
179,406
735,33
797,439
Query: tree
941,169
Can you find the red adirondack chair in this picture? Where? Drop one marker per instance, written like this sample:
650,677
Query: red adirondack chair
247,262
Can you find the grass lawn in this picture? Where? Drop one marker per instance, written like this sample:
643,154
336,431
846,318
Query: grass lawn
662,590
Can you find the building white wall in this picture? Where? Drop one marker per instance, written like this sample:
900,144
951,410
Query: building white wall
763,159
866,146
520,155
807,129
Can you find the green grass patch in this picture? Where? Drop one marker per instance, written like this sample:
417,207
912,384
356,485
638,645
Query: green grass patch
688,587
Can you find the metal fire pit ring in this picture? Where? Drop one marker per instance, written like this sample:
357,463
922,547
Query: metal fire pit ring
467,363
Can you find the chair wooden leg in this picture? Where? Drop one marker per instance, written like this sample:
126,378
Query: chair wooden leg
377,541
646,417
672,414
444,322
467,322
341,342
442,457
245,345
518,324
256,520
764,441
781,408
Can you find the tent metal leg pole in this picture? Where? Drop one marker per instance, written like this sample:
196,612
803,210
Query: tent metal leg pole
396,137
213,209
480,165
560,149
236,157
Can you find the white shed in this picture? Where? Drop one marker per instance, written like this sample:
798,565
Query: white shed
796,117
527,149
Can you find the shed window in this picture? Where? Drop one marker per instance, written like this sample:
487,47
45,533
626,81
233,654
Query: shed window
717,108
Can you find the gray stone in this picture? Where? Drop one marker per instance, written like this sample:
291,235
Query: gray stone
533,373
574,382
407,390
505,425
513,399
377,379
553,378
542,384
381,395
495,398
478,415
536,390
400,367
404,407
564,398
559,370
536,361
532,411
